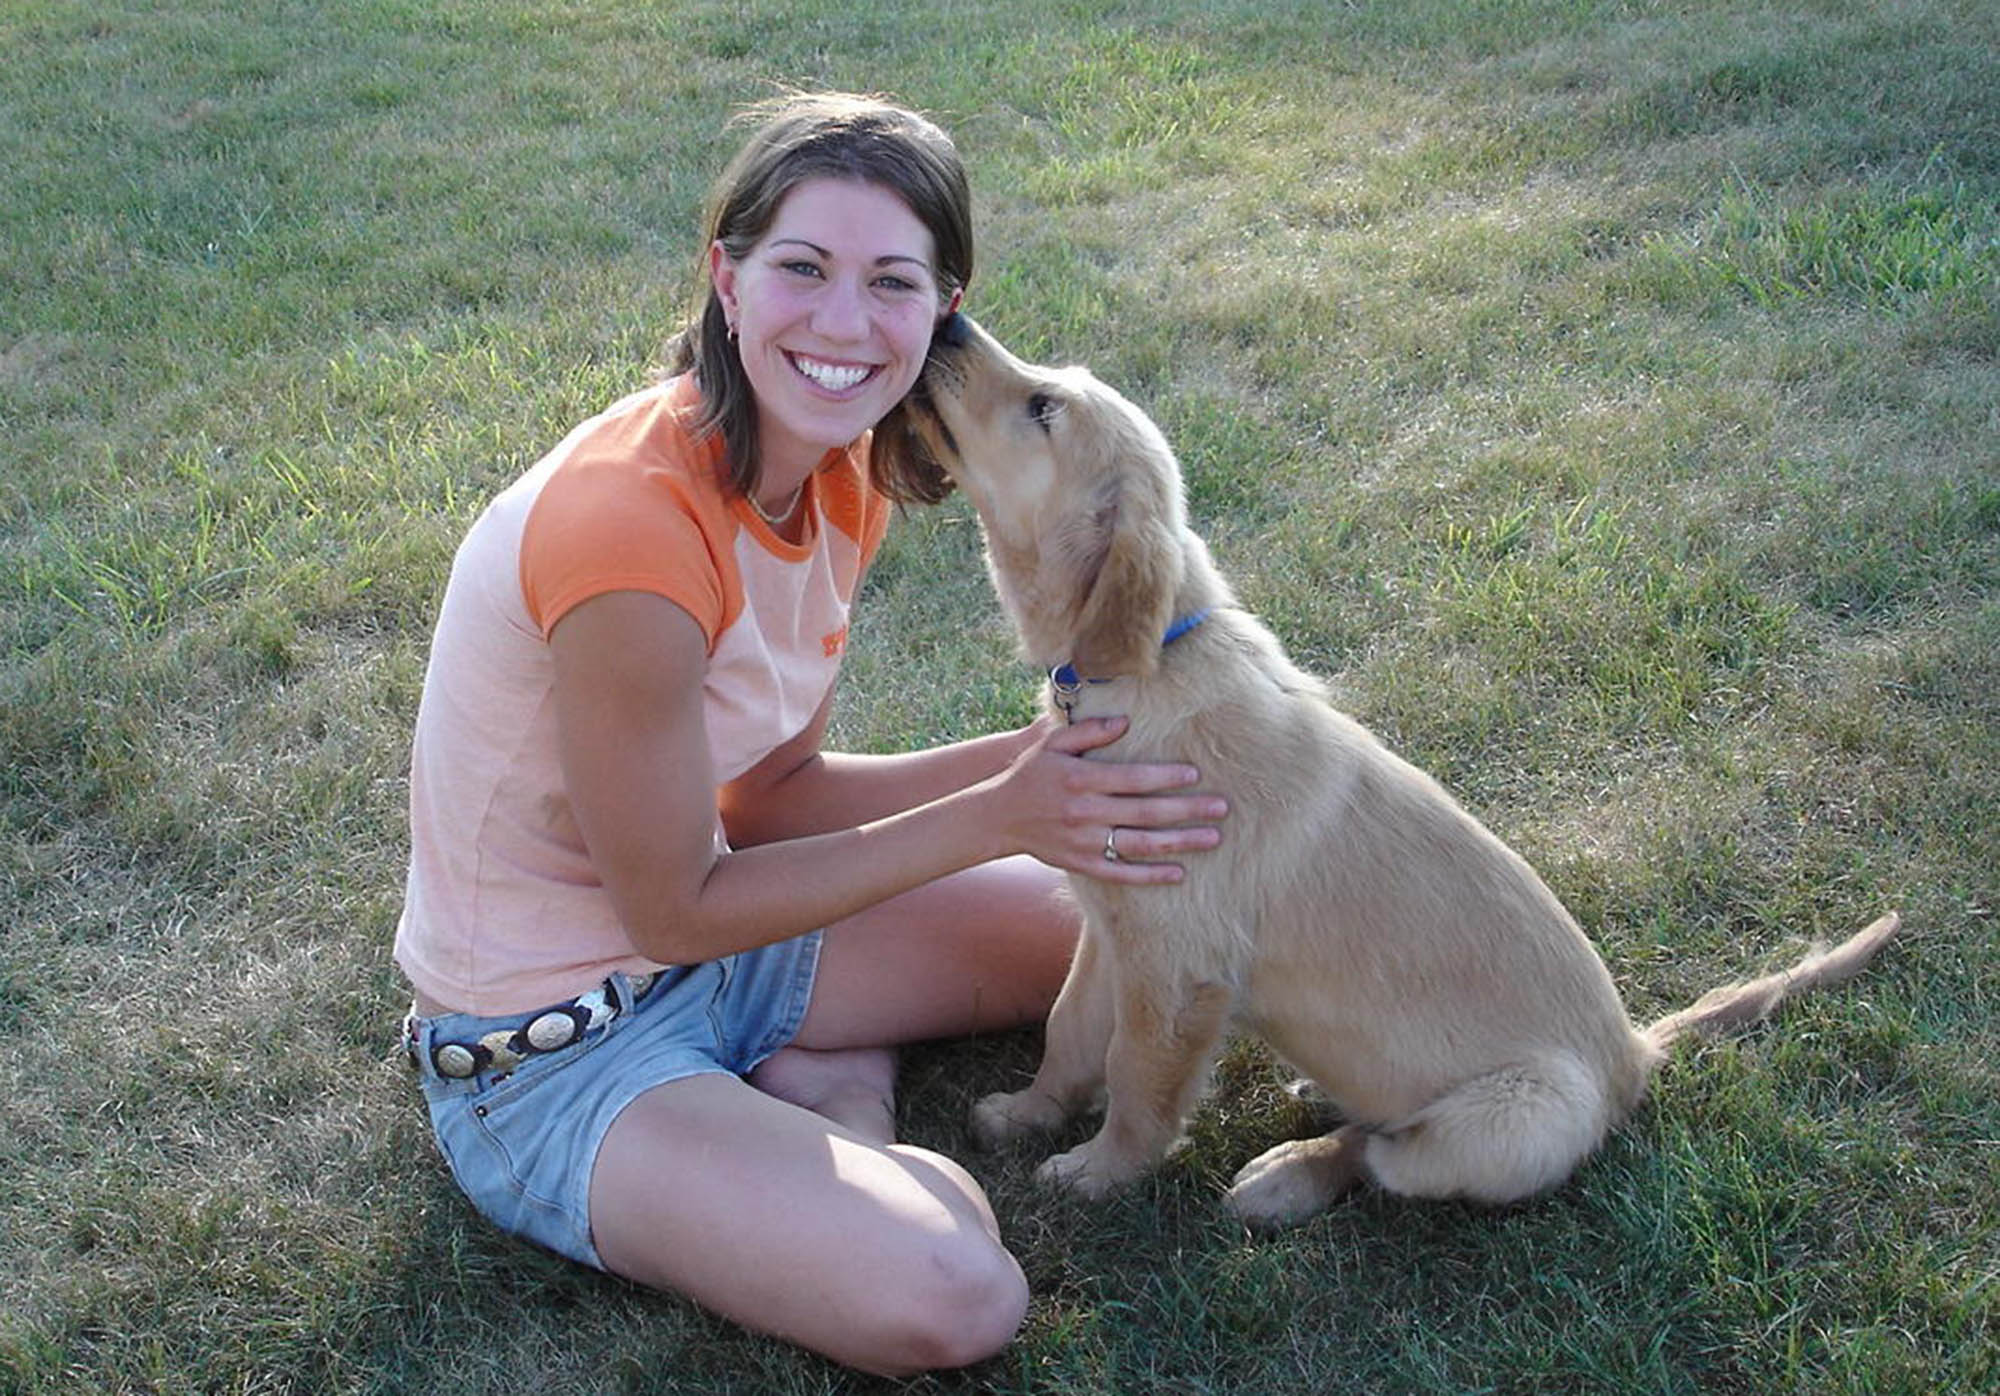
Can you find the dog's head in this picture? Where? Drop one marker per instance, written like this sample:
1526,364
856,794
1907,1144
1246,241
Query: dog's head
1078,493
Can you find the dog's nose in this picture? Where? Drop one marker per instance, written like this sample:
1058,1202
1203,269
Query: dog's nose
954,330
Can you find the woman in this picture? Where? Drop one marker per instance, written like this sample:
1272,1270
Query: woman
661,943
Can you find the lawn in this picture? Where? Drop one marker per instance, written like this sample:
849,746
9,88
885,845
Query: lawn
1604,397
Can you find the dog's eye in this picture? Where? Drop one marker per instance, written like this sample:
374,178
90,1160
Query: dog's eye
1041,410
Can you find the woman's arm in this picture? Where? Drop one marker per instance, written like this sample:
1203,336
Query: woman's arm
799,789
634,748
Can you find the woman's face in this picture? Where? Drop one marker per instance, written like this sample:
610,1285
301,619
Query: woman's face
834,310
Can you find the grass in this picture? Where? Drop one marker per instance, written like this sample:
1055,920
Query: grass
1601,394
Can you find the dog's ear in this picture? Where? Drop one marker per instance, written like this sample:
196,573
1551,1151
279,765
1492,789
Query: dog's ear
1127,599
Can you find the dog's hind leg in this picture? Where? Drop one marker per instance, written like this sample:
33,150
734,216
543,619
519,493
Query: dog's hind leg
1071,1076
1499,1137
1285,1185
1154,1070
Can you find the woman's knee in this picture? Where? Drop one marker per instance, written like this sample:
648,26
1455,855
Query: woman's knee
961,1304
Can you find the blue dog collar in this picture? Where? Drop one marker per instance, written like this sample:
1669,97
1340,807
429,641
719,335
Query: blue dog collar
1065,685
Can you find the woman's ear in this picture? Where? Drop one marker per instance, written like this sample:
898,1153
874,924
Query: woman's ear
722,276
951,306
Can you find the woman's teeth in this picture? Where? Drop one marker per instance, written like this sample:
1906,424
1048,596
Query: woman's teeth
835,378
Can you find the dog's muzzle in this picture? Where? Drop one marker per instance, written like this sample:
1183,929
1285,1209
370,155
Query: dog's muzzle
954,331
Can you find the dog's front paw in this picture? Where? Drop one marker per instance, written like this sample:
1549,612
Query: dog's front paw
999,1120
1089,1170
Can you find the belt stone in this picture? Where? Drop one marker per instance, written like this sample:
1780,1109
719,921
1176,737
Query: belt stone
550,1030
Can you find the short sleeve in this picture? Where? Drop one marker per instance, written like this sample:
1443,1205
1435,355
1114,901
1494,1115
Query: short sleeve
604,524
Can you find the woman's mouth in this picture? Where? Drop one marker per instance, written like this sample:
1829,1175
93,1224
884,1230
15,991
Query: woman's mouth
835,378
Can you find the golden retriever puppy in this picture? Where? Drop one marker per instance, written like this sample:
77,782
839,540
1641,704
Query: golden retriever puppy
1381,940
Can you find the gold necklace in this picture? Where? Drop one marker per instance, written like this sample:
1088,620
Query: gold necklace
776,520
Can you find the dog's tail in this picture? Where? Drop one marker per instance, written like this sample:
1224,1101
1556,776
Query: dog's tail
1734,1005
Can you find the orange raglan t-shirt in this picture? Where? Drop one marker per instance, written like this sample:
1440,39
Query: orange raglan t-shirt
502,911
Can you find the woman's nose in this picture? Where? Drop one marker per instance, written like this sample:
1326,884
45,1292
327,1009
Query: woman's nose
841,311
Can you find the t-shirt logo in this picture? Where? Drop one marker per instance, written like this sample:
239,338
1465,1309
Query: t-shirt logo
833,644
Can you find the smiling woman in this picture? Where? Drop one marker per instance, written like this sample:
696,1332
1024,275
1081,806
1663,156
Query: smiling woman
832,314
633,870
874,150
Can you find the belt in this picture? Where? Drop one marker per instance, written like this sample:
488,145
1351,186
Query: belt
550,1030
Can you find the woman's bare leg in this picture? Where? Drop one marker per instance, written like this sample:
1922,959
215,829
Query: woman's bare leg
782,1204
981,951
882,1257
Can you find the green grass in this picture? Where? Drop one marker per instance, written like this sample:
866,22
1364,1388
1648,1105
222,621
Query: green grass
1602,395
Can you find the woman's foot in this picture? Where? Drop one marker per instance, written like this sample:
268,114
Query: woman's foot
854,1086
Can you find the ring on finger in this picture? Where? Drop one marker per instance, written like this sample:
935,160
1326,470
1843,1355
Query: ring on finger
1111,845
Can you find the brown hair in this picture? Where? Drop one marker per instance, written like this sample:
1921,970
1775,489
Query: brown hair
805,136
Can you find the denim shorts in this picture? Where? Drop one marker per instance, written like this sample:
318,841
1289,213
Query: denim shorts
524,1154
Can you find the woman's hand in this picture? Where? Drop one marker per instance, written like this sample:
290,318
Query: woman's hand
1069,812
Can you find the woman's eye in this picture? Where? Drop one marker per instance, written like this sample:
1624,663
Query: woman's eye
895,283
801,268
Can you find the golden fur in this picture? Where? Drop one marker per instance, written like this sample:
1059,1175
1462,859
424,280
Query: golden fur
1375,934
